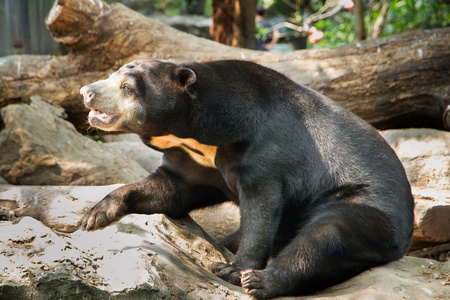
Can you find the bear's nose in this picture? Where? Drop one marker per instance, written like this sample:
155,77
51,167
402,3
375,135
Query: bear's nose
87,93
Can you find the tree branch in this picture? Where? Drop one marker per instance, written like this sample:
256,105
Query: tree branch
381,21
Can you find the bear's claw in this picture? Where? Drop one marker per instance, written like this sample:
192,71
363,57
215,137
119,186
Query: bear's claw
255,283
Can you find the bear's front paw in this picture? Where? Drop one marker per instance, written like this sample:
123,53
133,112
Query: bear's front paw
227,272
101,215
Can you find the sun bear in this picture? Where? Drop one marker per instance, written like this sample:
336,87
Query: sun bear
322,196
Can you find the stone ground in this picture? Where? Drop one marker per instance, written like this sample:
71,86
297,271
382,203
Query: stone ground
42,256
155,257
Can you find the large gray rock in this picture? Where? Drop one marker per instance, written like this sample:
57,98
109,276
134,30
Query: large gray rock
146,157
219,220
425,154
155,257
407,278
140,257
38,147
418,142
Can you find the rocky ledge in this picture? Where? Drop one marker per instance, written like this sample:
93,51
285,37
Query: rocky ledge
46,166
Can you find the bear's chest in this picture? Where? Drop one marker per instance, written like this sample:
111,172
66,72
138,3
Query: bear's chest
202,154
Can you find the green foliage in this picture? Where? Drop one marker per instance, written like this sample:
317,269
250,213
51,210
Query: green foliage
208,8
178,7
417,14
297,16
261,32
97,138
170,7
340,28
403,15
167,7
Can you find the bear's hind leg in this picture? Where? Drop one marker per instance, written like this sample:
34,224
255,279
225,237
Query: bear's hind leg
339,241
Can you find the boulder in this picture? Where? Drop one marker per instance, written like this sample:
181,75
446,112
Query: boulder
432,217
425,154
155,257
219,220
407,278
140,257
146,157
39,147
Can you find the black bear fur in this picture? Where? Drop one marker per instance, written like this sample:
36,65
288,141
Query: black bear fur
322,196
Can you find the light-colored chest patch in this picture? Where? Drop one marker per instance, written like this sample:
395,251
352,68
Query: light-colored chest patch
201,153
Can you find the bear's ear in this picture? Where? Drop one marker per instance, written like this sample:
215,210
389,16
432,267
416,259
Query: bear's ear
185,76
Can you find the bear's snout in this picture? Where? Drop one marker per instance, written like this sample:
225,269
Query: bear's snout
88,94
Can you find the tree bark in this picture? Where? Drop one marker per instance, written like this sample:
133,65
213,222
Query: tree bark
221,30
359,14
234,23
244,24
399,81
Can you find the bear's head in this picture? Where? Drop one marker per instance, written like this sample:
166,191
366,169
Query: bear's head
143,97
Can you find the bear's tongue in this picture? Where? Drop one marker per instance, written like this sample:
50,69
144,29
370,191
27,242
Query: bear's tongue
99,113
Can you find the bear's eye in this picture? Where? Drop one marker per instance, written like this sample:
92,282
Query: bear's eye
126,88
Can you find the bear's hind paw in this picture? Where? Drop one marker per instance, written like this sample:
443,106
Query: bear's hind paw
255,283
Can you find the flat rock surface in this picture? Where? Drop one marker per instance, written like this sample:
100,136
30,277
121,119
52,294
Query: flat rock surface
155,257
425,154
58,207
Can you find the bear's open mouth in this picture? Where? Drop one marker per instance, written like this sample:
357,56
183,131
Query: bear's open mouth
99,118
100,114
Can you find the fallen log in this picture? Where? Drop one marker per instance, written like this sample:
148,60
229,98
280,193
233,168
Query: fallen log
399,81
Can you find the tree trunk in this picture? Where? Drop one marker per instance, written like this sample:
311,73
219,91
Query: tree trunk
234,23
221,30
244,24
399,81
359,15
